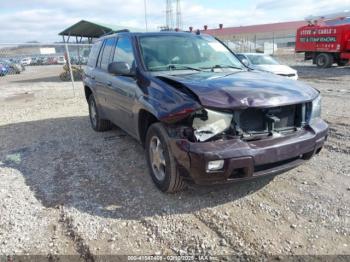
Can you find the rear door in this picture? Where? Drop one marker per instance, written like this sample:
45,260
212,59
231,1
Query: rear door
102,76
89,71
122,92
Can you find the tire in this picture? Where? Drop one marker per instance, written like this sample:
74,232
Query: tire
97,124
166,176
342,62
324,60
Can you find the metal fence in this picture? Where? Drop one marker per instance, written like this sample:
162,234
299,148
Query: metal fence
53,64
272,44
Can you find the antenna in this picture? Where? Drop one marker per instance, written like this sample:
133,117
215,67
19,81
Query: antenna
169,14
146,20
178,15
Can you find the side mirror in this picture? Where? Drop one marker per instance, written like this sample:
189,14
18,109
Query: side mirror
120,68
245,61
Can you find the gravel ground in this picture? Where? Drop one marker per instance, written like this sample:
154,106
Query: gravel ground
65,189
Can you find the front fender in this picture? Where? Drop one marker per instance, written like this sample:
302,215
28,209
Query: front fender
167,103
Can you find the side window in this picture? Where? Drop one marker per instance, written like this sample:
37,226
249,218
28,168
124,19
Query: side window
100,55
124,52
106,53
94,54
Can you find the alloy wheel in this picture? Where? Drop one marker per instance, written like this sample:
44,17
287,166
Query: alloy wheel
156,152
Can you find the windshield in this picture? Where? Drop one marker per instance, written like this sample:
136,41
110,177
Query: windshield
262,60
171,52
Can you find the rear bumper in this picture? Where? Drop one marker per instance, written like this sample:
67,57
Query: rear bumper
246,160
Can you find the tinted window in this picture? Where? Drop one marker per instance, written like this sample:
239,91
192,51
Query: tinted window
106,54
94,54
123,51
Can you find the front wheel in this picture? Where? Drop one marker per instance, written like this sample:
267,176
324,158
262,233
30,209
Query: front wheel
161,162
98,124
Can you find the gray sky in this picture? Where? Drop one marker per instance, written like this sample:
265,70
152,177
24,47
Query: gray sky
23,20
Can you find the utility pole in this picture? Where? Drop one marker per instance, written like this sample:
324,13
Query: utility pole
178,15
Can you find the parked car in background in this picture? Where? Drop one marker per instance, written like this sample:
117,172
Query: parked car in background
267,63
45,60
38,61
78,60
26,61
61,60
3,70
52,60
12,67
201,115
18,62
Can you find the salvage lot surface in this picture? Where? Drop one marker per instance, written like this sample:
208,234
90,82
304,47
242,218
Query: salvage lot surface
66,189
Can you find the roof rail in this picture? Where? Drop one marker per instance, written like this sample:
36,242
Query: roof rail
115,32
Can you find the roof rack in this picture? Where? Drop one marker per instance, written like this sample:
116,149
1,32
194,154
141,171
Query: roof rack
116,32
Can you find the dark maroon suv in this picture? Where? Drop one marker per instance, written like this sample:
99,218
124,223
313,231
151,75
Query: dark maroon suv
201,115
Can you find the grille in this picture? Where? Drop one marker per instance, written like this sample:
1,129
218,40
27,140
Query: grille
255,120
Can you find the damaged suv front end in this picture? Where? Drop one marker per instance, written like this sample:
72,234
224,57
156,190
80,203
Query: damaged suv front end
242,123
224,147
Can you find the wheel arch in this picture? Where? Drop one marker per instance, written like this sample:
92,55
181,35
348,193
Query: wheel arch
145,120
87,91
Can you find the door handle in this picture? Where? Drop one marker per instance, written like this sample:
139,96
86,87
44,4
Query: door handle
109,83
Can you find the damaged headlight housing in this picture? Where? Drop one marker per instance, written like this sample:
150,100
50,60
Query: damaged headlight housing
214,124
316,108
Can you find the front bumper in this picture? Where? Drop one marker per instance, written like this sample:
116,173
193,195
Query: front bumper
246,160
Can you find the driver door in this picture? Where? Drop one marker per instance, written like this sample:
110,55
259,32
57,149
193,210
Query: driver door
122,89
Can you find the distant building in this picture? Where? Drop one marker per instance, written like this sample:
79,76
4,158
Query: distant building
254,36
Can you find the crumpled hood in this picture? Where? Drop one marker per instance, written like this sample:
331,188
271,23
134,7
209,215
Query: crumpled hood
243,89
276,69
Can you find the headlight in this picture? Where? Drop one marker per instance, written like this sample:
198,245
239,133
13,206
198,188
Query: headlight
316,108
216,123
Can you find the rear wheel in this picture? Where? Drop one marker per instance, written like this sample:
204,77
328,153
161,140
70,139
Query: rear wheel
98,124
324,60
161,162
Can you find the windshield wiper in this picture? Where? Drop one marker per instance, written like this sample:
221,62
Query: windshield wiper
223,66
176,67
179,67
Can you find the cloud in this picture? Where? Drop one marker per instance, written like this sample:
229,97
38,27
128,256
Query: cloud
23,20
294,9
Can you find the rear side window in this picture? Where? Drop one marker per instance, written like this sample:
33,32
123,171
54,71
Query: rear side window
106,53
124,52
94,54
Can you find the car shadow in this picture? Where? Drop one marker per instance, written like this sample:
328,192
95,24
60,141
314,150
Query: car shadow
53,79
65,163
311,71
